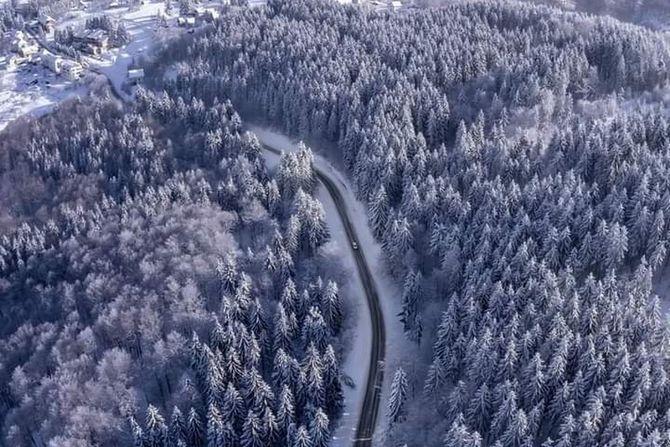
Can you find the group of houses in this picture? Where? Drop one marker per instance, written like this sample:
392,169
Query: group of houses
25,50
22,46
190,19
34,16
69,69
91,41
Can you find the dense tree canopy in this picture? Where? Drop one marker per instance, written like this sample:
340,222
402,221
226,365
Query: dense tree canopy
502,191
151,297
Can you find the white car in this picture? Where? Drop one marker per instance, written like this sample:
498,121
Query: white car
354,245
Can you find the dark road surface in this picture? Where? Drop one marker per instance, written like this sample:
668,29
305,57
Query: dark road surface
373,388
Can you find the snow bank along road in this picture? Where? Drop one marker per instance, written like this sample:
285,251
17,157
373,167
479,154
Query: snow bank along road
371,400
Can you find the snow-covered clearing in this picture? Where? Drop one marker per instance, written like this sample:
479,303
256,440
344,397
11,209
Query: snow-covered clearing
32,89
397,345
143,26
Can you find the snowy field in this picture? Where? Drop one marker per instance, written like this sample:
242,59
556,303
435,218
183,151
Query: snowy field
32,89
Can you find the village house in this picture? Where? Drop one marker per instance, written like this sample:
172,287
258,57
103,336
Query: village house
210,14
46,22
92,41
22,46
186,22
135,75
394,5
71,70
52,61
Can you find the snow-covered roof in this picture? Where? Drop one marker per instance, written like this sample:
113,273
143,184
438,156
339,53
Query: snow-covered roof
97,35
71,65
136,73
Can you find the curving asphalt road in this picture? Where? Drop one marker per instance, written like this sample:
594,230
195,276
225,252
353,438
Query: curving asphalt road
370,409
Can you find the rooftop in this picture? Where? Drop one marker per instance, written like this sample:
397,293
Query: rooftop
136,73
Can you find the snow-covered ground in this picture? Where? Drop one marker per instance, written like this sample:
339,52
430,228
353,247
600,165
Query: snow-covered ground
143,26
397,345
32,89
18,94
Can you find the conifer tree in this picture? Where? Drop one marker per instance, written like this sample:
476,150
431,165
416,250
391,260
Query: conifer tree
398,397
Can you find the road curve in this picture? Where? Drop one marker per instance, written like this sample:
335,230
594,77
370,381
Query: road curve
369,411
371,401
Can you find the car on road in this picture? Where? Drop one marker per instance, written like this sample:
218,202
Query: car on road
354,245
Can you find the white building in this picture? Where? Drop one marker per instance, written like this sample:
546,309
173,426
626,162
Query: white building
23,47
394,5
71,70
186,21
48,23
135,75
52,61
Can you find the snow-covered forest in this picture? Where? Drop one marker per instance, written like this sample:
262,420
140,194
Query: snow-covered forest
515,161
159,287
652,13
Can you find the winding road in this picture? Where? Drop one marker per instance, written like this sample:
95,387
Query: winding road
371,401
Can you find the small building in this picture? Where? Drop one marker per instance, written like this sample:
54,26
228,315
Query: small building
210,14
71,70
46,21
24,47
135,75
92,41
52,61
394,5
187,22
15,60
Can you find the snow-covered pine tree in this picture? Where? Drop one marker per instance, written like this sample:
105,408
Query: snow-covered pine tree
398,397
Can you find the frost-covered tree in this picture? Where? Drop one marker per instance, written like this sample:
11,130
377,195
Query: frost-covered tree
398,397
